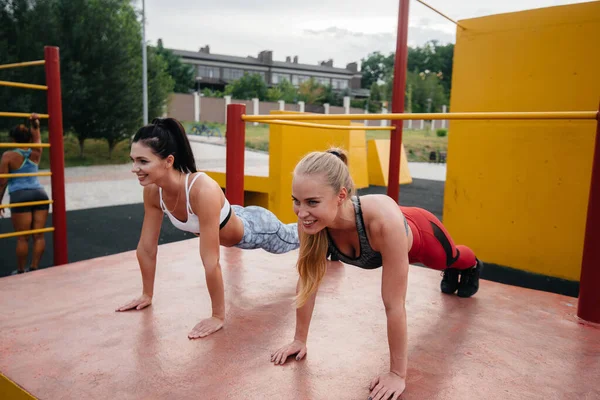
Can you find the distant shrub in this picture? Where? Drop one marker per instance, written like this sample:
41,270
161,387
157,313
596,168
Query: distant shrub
441,132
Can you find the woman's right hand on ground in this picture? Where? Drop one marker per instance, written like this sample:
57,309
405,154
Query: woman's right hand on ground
296,347
139,303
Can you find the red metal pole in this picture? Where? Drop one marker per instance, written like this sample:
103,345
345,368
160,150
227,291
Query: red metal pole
400,65
236,146
588,307
57,160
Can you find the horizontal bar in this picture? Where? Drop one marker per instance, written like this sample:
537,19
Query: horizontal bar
21,115
22,233
23,64
440,13
23,85
325,126
437,116
32,145
24,175
26,204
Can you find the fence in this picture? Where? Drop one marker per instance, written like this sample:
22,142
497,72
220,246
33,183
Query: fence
194,107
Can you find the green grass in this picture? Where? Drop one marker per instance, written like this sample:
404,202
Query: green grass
95,152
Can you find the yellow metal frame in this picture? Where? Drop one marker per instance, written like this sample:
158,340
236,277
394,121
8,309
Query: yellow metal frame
21,115
562,115
23,64
25,175
22,233
339,127
4,145
23,85
26,204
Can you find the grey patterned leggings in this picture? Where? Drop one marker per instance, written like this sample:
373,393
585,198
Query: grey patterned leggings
262,230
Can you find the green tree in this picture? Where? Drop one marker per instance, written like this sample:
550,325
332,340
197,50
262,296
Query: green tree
426,92
101,64
311,92
431,56
160,84
247,87
376,67
283,91
25,28
182,74
101,57
376,92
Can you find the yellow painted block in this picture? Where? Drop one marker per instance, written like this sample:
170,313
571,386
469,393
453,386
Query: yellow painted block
11,390
252,183
287,146
379,163
517,191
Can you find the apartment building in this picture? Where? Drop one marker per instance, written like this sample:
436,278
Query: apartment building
217,70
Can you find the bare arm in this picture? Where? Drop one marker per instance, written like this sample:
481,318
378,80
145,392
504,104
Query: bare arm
304,316
298,346
206,204
147,249
36,137
207,207
393,291
4,169
392,243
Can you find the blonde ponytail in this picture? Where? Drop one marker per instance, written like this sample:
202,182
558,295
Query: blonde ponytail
312,261
312,264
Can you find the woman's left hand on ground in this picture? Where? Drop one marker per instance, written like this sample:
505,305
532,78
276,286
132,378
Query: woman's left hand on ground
387,386
206,327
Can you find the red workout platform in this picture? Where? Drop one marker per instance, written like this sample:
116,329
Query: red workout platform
62,339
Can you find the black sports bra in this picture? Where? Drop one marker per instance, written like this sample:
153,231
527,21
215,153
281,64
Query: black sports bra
367,257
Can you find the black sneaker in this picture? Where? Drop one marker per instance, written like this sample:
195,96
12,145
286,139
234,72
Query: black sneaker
450,280
469,280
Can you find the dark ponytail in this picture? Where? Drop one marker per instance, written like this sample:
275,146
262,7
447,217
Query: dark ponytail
166,136
20,134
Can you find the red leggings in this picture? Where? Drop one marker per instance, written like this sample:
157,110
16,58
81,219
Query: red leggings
432,245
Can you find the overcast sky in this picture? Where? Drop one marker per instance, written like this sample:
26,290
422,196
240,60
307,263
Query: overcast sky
314,30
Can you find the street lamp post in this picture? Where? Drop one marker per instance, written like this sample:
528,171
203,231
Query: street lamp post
144,64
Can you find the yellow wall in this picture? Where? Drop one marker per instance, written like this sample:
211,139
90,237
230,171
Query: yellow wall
287,146
517,192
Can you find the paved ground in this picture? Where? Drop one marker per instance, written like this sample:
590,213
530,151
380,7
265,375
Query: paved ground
62,339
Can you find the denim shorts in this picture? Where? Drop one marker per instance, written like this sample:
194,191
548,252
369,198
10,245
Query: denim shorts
27,195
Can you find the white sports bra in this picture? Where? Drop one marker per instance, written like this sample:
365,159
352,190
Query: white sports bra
192,225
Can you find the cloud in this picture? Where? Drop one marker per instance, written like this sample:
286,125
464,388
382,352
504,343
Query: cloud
354,45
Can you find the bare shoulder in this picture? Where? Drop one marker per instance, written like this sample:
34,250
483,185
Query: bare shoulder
151,196
10,158
381,214
205,193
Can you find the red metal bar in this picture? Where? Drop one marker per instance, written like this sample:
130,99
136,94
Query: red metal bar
400,65
588,307
57,160
236,138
